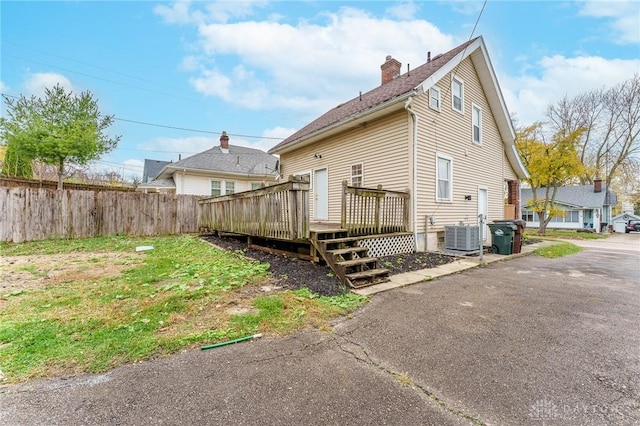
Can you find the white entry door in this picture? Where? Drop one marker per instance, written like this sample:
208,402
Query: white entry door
321,194
483,209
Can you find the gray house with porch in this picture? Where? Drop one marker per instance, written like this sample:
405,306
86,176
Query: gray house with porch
583,206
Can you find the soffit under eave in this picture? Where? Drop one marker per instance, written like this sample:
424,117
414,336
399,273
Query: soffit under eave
171,171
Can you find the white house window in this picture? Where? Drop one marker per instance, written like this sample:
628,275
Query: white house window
569,216
229,187
434,98
256,185
529,216
476,119
457,91
444,178
216,188
357,175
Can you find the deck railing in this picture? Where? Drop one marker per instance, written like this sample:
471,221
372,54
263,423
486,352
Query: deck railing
278,211
368,211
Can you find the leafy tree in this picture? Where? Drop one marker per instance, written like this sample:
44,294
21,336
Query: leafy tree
60,129
551,164
16,163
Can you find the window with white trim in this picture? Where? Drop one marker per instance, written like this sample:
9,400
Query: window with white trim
216,188
457,94
529,216
444,178
568,216
476,124
256,185
357,175
221,187
434,98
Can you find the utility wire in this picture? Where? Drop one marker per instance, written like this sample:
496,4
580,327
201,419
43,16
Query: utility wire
103,79
195,130
165,126
89,65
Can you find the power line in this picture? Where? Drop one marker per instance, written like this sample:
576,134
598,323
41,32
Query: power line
166,126
103,79
90,65
195,130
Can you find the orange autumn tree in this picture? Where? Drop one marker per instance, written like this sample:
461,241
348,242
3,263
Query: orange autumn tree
551,164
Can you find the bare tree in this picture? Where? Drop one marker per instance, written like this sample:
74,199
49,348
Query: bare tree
610,119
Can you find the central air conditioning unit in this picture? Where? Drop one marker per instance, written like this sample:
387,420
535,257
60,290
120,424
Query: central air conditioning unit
462,238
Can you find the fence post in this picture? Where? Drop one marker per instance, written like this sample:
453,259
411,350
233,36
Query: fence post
406,204
379,197
343,213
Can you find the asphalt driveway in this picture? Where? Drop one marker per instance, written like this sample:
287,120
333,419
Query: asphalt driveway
526,341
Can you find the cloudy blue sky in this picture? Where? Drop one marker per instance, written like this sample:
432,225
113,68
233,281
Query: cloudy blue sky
262,69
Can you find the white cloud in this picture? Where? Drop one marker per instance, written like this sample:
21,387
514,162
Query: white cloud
36,83
181,12
466,7
405,11
4,88
168,148
623,17
178,13
309,67
528,95
134,163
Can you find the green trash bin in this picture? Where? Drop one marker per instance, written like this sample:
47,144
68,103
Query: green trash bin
502,237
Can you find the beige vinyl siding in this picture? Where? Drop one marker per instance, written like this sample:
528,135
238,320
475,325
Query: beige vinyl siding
474,166
381,146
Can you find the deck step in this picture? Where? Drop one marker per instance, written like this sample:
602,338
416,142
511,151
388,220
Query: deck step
338,252
339,240
359,261
371,273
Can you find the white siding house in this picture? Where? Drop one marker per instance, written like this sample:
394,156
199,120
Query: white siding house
221,170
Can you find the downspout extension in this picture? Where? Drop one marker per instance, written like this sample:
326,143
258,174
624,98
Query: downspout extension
414,189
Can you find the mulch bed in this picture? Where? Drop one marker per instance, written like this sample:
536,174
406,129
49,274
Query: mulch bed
293,273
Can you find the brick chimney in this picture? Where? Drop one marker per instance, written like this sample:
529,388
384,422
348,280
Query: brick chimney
390,69
597,185
224,141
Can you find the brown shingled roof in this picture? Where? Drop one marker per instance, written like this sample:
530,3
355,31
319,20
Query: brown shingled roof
401,85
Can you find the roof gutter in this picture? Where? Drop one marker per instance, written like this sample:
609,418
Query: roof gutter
378,110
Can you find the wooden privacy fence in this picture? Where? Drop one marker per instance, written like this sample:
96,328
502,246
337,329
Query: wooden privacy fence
278,211
29,214
367,211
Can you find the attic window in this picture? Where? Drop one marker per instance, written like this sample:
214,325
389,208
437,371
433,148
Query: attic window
457,94
434,98
476,124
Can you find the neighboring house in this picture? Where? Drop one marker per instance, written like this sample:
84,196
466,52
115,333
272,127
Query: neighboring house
152,168
440,131
620,221
585,206
221,170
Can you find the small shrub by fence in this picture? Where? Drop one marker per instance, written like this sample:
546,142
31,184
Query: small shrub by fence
30,214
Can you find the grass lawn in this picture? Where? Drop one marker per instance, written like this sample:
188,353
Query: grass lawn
73,306
565,233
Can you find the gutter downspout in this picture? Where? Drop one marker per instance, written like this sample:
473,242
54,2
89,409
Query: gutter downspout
414,189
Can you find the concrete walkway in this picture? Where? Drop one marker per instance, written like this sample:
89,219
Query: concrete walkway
462,264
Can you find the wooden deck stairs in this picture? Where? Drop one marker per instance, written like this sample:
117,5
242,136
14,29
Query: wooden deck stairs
347,259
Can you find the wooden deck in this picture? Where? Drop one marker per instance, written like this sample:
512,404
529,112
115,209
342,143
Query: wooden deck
276,219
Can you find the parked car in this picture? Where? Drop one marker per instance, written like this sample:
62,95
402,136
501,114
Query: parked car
632,226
